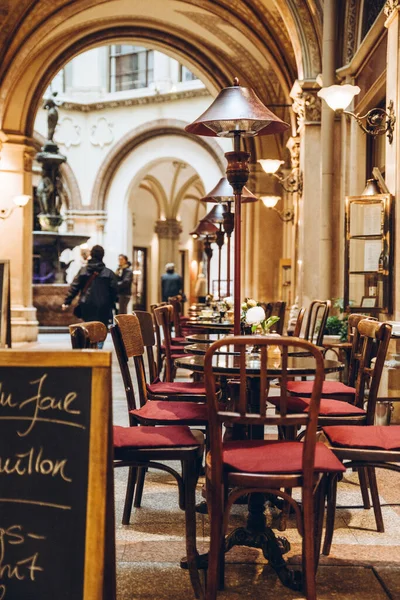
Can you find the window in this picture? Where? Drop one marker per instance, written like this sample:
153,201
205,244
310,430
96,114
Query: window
131,67
185,74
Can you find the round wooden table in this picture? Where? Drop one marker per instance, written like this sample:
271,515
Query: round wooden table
229,364
205,338
211,326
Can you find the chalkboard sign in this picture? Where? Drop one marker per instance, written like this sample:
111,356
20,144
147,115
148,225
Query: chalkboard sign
5,307
55,416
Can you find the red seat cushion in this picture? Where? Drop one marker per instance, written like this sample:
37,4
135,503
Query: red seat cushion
260,456
327,407
158,410
329,388
176,388
180,355
178,340
175,348
372,437
153,437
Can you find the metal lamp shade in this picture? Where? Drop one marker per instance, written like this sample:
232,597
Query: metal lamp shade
223,192
216,214
237,109
204,228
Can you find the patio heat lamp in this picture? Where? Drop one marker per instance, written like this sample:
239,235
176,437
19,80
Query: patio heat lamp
237,112
207,230
223,193
216,216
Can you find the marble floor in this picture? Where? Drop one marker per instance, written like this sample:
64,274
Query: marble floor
363,564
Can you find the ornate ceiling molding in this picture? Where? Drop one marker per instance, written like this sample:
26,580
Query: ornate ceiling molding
138,101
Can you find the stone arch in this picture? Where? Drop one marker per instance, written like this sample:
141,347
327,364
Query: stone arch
74,199
154,187
135,138
285,45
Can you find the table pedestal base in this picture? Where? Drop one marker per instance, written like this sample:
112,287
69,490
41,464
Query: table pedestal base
257,534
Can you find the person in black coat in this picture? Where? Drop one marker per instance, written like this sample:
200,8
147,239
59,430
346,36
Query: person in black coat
171,283
97,287
124,275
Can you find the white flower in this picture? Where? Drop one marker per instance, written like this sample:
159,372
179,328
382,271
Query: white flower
229,301
254,315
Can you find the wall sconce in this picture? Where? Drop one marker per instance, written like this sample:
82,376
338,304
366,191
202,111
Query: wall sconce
18,201
292,184
377,120
286,215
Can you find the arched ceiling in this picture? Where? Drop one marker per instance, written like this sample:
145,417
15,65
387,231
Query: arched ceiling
266,43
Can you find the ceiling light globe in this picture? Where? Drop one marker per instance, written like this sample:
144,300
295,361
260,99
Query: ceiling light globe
338,97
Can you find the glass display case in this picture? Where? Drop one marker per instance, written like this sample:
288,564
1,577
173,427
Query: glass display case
368,254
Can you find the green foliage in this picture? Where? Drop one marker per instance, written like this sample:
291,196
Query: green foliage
336,326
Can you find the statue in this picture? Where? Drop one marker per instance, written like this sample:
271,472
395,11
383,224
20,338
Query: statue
52,117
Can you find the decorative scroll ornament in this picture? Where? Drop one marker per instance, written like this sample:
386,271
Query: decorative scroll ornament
68,133
102,133
390,6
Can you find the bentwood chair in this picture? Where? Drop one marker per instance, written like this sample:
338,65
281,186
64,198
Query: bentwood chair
337,389
317,315
160,390
299,322
369,447
140,448
235,468
163,319
128,344
87,335
346,440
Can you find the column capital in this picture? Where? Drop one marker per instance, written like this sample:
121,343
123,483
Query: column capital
390,9
306,103
168,229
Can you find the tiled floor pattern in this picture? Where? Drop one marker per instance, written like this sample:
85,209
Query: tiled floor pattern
363,565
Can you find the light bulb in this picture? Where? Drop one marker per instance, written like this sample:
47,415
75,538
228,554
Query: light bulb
338,97
270,165
270,201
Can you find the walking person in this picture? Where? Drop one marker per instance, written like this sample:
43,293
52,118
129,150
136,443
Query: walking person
171,283
124,275
97,286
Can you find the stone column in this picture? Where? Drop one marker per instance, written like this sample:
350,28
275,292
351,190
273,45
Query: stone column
392,173
261,240
168,231
292,202
307,105
16,240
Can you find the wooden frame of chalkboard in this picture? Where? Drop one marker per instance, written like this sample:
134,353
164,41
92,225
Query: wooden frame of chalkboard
56,494
5,308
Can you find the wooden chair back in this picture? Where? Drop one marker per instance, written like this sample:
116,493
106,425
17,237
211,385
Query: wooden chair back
371,341
276,309
159,353
176,303
299,322
240,414
149,340
128,343
87,335
352,324
163,316
318,313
